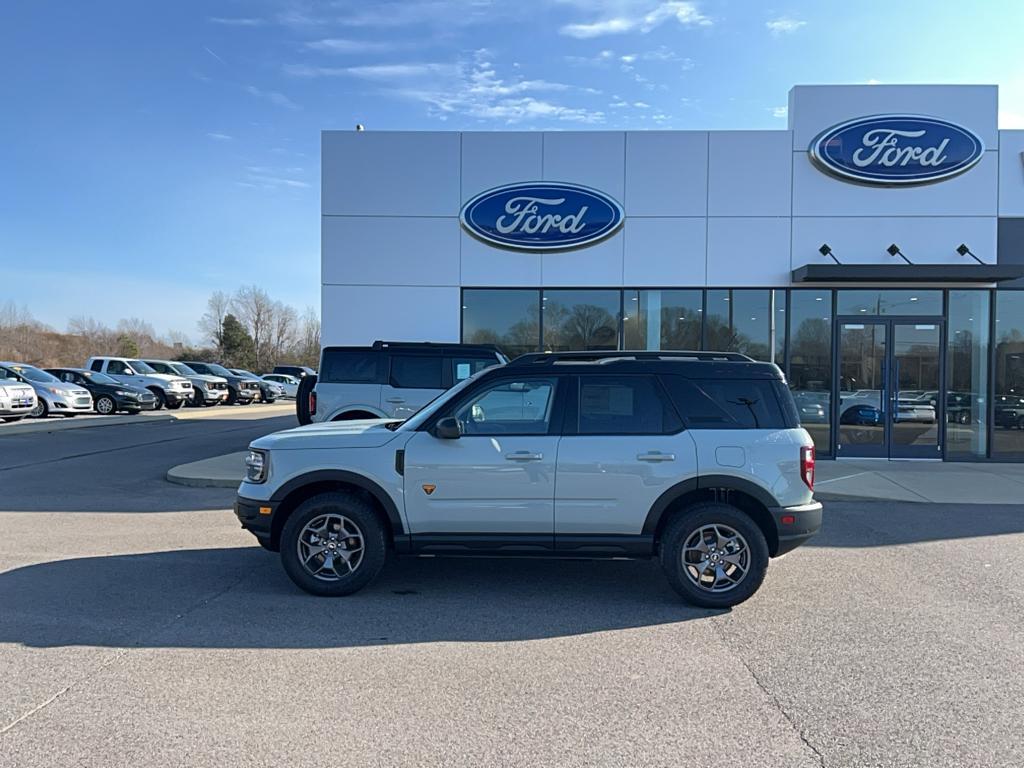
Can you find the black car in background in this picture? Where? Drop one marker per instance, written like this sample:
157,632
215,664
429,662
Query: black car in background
108,394
240,389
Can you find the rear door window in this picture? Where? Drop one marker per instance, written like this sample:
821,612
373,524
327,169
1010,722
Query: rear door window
417,372
350,366
728,403
624,405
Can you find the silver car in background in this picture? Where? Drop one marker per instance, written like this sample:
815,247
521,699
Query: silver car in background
206,389
289,384
52,394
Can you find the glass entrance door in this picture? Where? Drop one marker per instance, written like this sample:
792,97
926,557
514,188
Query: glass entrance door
889,398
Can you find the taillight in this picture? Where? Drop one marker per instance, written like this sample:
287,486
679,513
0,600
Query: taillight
312,403
807,465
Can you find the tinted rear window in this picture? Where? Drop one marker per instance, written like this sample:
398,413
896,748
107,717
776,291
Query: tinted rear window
729,403
417,372
624,405
351,366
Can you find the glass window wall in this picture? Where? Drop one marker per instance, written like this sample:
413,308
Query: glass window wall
1008,408
739,321
967,373
508,318
581,320
810,362
662,319
889,302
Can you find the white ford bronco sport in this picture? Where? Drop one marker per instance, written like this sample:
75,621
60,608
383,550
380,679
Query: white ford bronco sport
695,458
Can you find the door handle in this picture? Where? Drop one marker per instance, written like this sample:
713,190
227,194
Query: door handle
655,456
396,400
524,456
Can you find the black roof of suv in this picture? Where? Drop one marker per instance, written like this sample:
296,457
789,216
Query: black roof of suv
702,365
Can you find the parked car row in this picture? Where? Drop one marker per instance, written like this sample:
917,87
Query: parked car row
108,385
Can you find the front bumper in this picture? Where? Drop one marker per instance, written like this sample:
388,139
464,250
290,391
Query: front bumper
69,403
178,395
796,525
134,404
256,516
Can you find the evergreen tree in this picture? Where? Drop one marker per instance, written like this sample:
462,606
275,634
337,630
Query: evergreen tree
239,350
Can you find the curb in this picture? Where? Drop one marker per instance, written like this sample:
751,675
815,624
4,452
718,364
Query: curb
61,425
225,471
202,482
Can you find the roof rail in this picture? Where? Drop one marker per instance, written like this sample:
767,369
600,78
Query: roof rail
550,358
379,344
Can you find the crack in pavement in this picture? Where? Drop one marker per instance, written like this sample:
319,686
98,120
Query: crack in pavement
122,652
719,630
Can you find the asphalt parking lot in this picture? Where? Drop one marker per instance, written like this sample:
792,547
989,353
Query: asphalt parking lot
140,626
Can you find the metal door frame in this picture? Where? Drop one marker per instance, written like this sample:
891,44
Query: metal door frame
886,450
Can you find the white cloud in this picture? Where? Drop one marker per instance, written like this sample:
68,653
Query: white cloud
343,46
634,17
784,25
470,88
219,136
780,111
238,21
641,105
274,97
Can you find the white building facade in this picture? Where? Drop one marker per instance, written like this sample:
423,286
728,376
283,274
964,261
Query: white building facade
872,250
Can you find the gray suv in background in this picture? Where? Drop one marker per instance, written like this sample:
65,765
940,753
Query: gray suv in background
388,379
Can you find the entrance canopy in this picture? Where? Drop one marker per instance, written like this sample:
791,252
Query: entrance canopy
907,273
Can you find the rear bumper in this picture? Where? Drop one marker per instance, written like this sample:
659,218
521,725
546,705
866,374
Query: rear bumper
796,525
257,522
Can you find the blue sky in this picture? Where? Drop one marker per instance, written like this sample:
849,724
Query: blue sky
155,152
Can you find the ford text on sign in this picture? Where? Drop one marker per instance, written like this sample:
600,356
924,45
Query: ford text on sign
542,216
896,149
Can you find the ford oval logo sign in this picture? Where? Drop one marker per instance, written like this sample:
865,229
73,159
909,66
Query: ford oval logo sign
896,149
542,216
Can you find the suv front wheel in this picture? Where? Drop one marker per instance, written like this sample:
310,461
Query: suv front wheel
333,544
714,555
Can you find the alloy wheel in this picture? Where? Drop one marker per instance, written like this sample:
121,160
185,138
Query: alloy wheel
716,558
330,547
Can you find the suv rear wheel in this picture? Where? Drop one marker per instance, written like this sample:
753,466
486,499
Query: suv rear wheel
714,555
333,544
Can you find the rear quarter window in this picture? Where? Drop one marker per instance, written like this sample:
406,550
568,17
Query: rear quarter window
731,403
349,366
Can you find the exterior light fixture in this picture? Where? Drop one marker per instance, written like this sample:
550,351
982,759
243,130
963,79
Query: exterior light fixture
894,250
826,250
963,250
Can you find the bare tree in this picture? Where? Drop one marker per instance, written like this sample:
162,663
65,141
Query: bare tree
255,309
309,339
212,323
283,332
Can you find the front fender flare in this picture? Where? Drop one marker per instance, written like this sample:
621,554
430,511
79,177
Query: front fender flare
351,478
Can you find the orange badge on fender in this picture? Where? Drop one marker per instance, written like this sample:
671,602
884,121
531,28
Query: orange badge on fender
428,488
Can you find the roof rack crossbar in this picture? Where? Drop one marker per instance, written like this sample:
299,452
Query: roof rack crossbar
550,358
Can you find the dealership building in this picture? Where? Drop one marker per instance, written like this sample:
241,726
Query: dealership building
874,250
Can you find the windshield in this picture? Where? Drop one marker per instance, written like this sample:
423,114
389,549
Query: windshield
248,374
34,374
8,375
140,367
100,378
183,369
430,408
219,370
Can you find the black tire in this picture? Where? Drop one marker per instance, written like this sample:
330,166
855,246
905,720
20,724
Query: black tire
302,399
685,525
232,396
265,543
1020,423
11,419
175,405
362,516
42,409
105,405
161,398
198,400
269,400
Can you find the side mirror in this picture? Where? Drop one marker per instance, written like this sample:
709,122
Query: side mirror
448,428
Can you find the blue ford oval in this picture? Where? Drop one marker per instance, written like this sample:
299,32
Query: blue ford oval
542,216
896,149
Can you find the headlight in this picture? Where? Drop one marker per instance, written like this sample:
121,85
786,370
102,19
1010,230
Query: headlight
55,390
256,466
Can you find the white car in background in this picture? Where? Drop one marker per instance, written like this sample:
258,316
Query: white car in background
16,399
289,384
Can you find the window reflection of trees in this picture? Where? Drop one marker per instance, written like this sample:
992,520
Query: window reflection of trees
579,327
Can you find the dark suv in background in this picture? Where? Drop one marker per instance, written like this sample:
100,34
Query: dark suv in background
240,389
